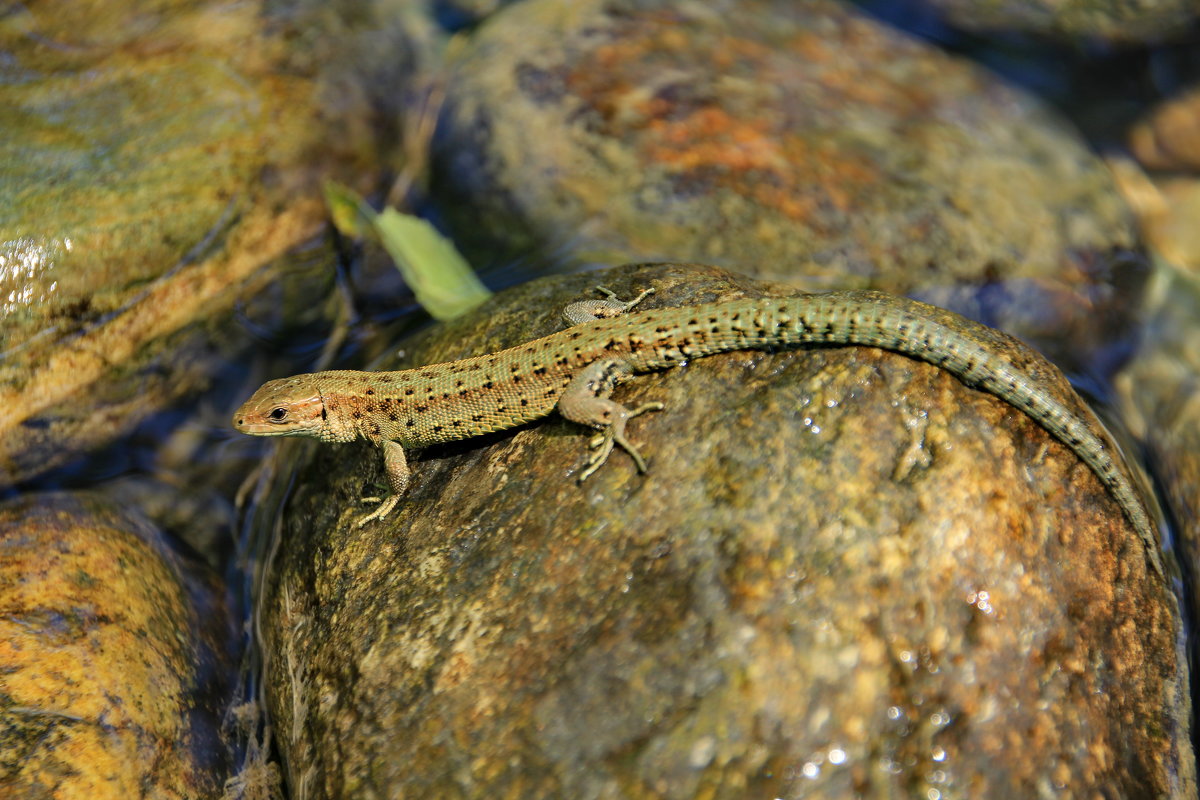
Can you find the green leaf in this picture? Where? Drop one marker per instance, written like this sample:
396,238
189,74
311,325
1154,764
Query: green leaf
441,279
438,274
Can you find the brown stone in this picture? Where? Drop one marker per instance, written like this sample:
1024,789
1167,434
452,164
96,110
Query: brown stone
845,574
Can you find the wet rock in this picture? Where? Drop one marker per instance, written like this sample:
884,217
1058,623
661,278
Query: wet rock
845,574
115,657
160,163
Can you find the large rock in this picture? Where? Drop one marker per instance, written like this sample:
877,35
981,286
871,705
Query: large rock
160,160
845,574
114,653
769,136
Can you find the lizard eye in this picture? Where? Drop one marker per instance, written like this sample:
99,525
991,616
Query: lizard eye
279,415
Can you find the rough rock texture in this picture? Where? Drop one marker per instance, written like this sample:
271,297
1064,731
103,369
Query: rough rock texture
845,574
113,657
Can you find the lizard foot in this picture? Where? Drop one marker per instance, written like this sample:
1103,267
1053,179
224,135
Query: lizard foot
624,305
603,442
592,310
385,508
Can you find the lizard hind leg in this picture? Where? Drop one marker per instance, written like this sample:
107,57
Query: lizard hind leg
586,401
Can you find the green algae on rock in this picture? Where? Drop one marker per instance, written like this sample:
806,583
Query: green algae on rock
839,558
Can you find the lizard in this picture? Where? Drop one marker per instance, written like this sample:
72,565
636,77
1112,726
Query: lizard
575,370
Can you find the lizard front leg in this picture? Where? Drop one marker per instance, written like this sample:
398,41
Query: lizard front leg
591,310
586,401
396,465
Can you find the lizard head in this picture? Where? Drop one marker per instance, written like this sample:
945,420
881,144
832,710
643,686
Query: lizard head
284,407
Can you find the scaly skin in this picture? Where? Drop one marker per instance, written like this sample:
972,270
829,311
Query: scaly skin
574,371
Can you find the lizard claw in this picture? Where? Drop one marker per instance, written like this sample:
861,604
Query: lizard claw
615,434
384,509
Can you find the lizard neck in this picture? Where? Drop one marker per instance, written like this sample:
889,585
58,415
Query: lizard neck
349,407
